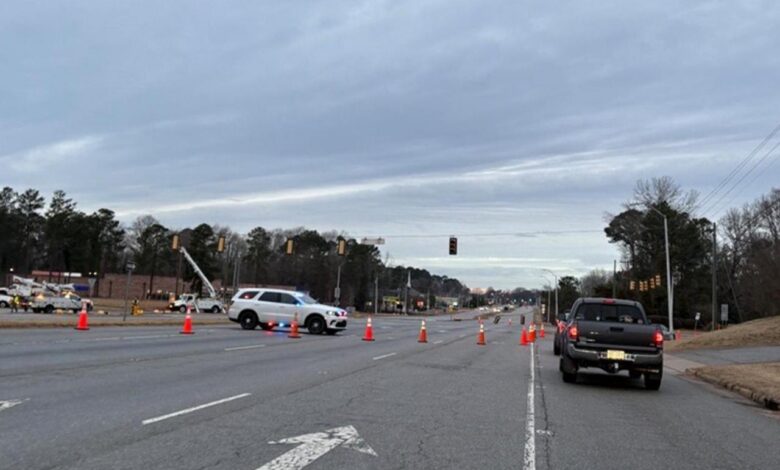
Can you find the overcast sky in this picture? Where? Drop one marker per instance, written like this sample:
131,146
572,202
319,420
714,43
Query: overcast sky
390,118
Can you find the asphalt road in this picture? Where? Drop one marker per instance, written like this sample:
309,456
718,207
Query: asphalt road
232,399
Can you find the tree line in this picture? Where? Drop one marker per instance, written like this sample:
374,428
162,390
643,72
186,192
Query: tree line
58,237
747,263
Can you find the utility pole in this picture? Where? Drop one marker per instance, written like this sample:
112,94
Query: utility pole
376,294
337,292
614,279
714,273
406,291
669,292
130,267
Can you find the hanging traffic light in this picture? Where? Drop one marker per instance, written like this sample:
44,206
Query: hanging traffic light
453,246
652,283
175,242
289,246
221,244
632,285
341,248
658,280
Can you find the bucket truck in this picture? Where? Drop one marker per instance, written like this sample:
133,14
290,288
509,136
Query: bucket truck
199,304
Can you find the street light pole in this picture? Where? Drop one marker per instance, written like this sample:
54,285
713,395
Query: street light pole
337,293
669,291
556,290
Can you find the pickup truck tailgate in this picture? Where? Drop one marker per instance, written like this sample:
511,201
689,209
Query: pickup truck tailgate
622,335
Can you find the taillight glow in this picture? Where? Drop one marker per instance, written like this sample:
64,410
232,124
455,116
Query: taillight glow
574,334
658,339
608,301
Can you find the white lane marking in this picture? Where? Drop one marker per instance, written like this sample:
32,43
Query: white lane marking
194,408
315,445
443,331
529,455
239,348
390,338
6,404
384,356
439,342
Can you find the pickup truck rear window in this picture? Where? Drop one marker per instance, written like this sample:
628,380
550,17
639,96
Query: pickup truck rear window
610,313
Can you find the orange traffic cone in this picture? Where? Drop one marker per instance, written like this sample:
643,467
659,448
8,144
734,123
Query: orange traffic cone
369,335
481,335
294,328
83,324
187,330
531,333
524,338
423,338
541,330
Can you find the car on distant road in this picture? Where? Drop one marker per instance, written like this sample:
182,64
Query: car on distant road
269,308
560,327
613,335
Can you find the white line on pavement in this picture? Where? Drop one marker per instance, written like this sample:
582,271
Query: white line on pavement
529,456
195,408
439,342
239,348
384,356
6,404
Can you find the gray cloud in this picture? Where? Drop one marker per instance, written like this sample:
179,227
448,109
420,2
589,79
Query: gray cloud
388,117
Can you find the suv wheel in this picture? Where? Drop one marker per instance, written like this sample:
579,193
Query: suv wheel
248,320
316,324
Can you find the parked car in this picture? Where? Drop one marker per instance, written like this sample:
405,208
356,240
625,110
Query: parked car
559,331
269,308
613,335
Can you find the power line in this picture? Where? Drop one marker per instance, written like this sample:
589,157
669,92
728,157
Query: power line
736,170
745,175
492,234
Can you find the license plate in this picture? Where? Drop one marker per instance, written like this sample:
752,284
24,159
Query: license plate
616,355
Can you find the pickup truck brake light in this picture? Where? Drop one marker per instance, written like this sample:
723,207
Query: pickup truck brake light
658,339
574,334
608,301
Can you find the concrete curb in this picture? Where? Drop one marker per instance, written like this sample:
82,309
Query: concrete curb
96,323
772,403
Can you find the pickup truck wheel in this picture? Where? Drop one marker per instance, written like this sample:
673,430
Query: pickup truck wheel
652,382
215,309
248,320
634,374
316,324
49,309
569,369
183,309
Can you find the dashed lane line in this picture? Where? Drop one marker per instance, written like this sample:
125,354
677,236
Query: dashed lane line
193,409
241,348
384,356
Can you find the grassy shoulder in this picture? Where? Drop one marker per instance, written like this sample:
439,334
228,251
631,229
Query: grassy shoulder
762,332
758,382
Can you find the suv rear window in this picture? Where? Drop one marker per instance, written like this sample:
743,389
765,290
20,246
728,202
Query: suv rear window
609,313
270,297
288,299
250,294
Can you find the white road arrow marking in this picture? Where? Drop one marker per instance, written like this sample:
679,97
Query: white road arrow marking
5,404
315,445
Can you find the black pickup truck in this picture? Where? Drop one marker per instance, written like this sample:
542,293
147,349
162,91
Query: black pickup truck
613,335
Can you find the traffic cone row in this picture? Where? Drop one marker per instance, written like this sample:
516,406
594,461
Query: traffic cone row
481,335
541,330
83,323
531,333
423,338
187,329
294,328
524,338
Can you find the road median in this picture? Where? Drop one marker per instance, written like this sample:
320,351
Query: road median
34,320
758,382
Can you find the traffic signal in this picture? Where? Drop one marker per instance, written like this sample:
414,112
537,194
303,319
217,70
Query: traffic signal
341,248
652,283
221,244
658,280
289,246
453,246
632,285
175,242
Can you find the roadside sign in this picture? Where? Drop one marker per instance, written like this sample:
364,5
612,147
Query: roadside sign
698,316
724,313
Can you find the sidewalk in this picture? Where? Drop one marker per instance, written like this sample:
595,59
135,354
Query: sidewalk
752,372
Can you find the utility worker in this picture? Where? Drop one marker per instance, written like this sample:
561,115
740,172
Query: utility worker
15,303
